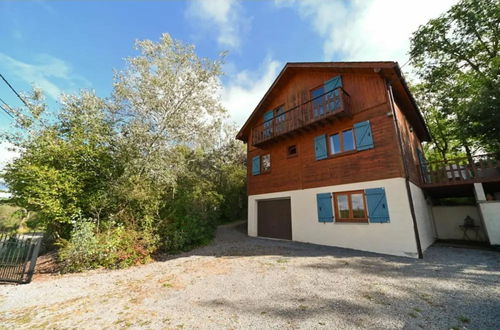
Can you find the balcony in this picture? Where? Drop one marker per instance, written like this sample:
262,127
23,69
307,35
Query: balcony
321,109
459,171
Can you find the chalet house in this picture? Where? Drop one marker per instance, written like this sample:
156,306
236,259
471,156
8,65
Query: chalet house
335,158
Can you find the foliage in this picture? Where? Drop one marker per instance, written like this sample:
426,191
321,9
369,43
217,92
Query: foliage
456,57
16,219
211,191
65,168
115,247
11,218
155,160
445,144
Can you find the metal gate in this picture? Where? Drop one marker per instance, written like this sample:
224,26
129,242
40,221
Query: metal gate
18,254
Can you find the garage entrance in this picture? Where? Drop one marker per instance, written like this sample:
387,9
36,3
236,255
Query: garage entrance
274,218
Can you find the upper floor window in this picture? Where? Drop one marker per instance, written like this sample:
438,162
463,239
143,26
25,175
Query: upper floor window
318,101
261,164
279,113
342,142
357,138
292,150
266,163
326,98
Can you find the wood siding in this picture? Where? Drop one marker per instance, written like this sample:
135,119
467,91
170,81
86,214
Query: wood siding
369,101
410,145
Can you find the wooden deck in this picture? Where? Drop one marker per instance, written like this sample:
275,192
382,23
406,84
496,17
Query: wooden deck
459,171
320,110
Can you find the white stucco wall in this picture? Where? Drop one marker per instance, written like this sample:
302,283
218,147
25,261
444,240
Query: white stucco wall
396,237
448,219
491,217
423,214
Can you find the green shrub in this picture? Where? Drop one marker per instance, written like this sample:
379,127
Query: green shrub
186,233
115,247
10,218
82,250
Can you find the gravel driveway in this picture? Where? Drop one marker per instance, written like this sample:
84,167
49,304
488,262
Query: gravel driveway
242,282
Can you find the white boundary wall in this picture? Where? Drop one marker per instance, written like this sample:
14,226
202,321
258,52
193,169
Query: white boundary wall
490,211
423,214
449,218
396,237
491,218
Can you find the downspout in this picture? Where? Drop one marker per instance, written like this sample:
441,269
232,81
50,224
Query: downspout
405,169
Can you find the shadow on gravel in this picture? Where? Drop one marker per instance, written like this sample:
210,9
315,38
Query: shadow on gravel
296,308
409,309
416,299
439,261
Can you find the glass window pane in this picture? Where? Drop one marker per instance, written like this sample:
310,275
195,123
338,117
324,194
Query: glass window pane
348,140
358,206
317,101
343,206
317,92
335,144
266,163
280,115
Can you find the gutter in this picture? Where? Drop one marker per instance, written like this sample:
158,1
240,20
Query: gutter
405,168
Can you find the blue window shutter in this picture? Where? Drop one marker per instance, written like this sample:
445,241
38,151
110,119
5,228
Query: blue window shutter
268,115
256,165
333,83
378,211
320,147
333,96
363,133
325,209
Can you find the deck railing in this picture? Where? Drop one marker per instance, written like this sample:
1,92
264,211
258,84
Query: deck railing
325,106
479,168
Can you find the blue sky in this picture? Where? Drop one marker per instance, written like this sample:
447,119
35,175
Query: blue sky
63,46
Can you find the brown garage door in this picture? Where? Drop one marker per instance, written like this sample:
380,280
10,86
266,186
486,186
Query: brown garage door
274,218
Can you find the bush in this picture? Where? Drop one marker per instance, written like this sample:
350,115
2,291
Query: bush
186,233
116,247
11,218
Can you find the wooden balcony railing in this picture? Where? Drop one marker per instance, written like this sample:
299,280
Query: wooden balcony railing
335,103
480,168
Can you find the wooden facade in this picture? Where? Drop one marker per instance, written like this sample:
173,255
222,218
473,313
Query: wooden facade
411,145
369,100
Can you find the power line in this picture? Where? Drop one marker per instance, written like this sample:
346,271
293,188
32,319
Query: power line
402,66
12,88
17,120
7,106
7,112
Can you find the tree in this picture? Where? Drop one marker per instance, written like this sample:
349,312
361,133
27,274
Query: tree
65,167
444,144
155,160
456,57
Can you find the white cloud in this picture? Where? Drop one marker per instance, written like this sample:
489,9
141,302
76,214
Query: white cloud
7,154
245,89
223,16
47,72
360,30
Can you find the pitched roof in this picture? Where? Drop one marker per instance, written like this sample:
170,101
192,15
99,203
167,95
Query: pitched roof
388,69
